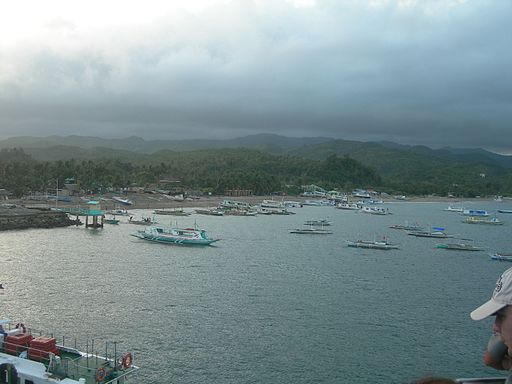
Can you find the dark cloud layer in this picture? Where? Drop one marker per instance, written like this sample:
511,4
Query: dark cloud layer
434,73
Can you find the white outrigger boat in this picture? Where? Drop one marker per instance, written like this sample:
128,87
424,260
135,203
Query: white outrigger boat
26,357
368,244
174,235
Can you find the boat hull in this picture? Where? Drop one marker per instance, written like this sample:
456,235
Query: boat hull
175,240
372,245
175,236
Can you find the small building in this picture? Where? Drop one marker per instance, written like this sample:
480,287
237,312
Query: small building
238,192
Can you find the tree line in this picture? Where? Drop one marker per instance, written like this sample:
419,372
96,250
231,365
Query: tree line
217,171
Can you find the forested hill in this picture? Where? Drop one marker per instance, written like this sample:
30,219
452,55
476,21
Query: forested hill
213,171
277,162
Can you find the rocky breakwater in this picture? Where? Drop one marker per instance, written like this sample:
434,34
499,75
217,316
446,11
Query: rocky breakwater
17,217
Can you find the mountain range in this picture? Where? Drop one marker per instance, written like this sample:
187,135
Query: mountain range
385,157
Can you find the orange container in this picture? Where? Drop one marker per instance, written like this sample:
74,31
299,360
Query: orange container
39,355
15,344
43,343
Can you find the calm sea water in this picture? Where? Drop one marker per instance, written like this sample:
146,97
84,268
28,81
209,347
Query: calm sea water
264,305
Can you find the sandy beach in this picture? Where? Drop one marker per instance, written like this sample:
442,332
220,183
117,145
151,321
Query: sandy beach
152,201
148,201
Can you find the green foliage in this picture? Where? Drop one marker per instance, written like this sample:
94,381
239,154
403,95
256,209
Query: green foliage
409,171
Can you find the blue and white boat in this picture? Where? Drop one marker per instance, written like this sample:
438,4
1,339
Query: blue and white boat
475,212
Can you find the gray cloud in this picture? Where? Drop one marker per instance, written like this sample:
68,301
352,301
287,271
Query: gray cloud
434,73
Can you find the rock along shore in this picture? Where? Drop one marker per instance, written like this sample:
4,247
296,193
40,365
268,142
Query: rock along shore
23,218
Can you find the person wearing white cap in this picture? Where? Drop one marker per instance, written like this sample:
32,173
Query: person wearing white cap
499,350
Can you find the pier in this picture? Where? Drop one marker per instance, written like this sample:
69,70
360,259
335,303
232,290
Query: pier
93,211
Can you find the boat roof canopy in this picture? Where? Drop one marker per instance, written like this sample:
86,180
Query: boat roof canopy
4,321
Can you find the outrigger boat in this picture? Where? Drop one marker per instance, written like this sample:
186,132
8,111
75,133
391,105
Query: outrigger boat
174,235
460,247
501,256
408,227
318,223
377,244
28,357
173,212
435,232
311,231
482,220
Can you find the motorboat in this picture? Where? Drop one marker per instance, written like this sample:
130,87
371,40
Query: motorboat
30,356
175,235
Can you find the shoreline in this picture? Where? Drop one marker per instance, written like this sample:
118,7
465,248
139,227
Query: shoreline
145,201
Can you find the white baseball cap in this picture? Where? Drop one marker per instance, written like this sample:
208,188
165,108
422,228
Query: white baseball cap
501,297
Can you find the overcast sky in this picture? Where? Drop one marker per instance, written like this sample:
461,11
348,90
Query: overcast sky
431,72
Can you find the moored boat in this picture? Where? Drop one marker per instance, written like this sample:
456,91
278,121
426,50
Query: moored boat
234,204
408,227
175,235
348,206
436,232
501,256
453,208
475,212
240,212
460,247
505,210
111,220
482,220
119,212
318,223
173,212
311,231
122,201
372,244
142,221
375,210
27,358
209,211
272,204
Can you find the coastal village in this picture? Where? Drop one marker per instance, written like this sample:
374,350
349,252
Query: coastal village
66,206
